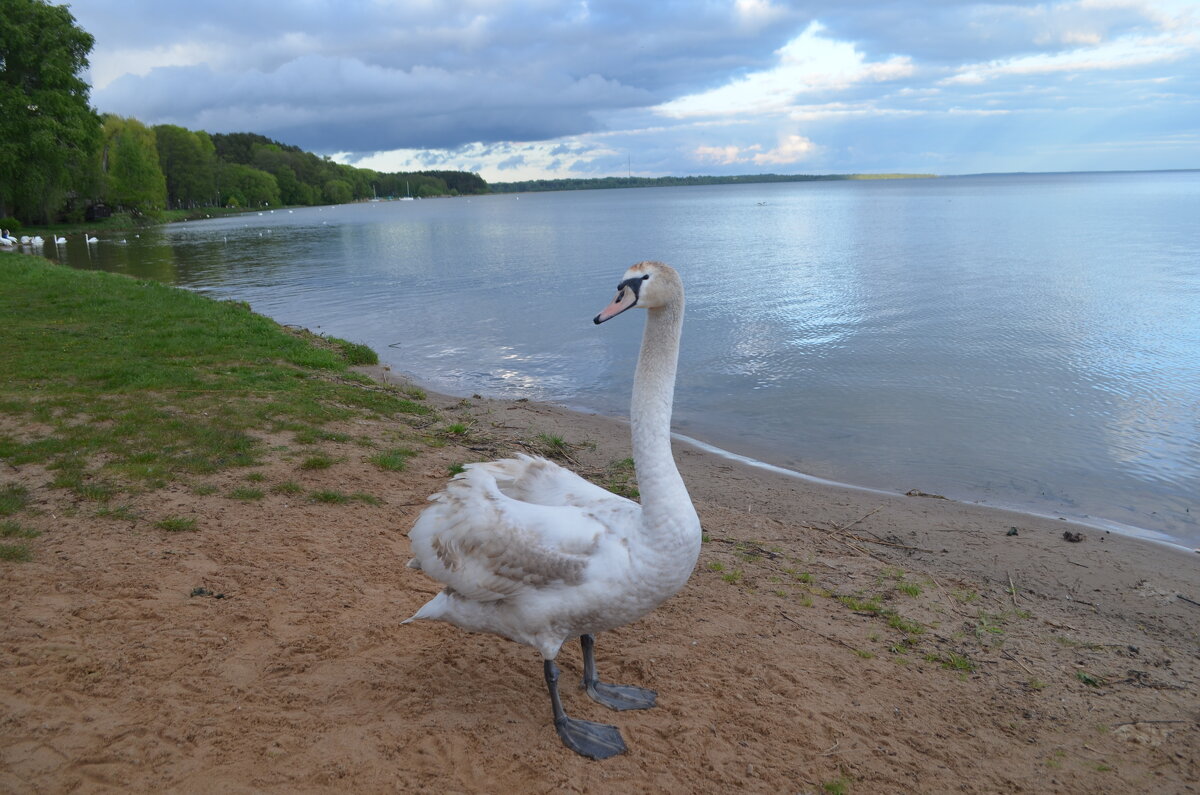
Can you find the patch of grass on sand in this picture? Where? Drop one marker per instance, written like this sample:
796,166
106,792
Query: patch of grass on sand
130,385
318,461
13,497
394,460
176,524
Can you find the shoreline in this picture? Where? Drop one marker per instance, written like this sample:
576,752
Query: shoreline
384,371
780,492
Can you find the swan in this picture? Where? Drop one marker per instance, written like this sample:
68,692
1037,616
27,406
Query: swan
90,239
6,239
59,239
533,552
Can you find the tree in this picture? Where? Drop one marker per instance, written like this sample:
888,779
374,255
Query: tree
188,160
338,191
133,179
48,131
244,186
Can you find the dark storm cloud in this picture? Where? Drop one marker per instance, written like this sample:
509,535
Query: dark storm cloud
372,76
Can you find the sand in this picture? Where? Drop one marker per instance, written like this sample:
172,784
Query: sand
829,640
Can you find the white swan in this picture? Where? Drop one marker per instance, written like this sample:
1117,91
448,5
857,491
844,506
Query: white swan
90,238
533,552
58,240
5,240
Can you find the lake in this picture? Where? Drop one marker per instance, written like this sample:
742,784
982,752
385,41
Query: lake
1026,341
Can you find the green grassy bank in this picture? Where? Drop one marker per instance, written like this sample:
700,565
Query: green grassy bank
117,386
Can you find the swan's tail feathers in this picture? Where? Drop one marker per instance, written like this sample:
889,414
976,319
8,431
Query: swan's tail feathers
434,609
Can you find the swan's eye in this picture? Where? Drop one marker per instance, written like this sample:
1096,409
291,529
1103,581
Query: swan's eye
647,276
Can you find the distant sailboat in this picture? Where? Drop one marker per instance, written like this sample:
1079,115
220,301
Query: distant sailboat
407,197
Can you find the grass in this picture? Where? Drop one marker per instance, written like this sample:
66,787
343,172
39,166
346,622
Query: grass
329,497
122,512
13,497
552,446
15,553
246,493
318,461
131,385
837,786
176,524
394,460
620,478
862,605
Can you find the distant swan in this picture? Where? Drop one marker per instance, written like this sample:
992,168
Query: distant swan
59,239
91,239
533,552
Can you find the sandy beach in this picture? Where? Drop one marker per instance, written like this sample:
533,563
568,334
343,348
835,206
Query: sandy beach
830,640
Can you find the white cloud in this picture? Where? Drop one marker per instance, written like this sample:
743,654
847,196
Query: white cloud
1126,52
808,63
791,149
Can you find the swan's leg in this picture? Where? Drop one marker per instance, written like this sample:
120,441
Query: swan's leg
593,740
614,696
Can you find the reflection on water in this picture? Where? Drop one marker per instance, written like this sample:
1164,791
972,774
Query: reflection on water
1029,341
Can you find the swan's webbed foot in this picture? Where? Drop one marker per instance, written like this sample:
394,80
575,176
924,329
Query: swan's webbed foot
618,697
584,737
593,740
621,697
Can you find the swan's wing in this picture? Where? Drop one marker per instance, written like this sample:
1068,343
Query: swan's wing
487,546
537,480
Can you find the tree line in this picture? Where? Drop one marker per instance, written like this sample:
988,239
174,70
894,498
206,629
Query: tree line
598,183
60,159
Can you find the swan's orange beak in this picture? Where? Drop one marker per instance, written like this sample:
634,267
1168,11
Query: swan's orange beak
626,299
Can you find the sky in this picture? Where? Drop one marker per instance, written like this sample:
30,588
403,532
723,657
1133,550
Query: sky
593,88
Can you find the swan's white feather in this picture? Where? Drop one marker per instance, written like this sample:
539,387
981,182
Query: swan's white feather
533,552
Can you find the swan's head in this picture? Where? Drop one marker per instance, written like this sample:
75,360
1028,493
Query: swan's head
649,285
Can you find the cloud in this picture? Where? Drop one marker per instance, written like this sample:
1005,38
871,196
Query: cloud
539,88
364,76
1120,54
792,149
810,63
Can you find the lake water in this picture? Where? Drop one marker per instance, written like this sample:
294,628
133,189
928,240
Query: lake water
1028,341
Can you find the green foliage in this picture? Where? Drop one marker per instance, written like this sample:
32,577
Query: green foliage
48,130
338,191
188,161
245,186
133,178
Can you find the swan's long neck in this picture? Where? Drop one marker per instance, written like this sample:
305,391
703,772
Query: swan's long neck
666,507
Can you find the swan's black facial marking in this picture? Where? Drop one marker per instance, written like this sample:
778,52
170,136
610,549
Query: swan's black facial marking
634,285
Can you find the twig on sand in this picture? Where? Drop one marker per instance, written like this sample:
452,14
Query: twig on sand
862,518
1006,653
1012,589
1189,601
832,749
